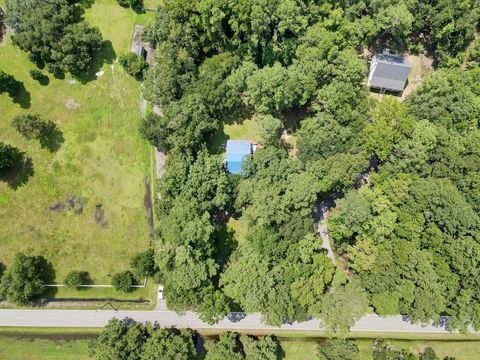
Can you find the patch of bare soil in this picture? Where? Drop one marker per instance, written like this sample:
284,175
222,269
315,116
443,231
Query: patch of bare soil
421,66
71,104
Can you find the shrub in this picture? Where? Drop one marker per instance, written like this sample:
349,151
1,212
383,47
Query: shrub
30,126
136,5
143,264
74,278
133,64
8,84
39,76
45,131
24,281
123,281
9,155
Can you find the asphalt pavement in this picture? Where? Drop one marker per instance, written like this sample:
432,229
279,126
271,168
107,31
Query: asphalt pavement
235,321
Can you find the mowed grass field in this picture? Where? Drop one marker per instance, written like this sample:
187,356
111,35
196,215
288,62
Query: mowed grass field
43,349
102,161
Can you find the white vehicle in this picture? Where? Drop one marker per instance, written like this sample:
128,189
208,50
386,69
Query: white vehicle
160,292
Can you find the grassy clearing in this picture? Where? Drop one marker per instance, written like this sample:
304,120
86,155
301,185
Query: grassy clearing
103,160
239,227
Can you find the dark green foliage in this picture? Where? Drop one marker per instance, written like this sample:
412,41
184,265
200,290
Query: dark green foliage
53,34
123,281
448,98
75,278
270,129
143,264
227,347
9,155
131,340
232,346
185,125
429,354
136,5
133,64
8,84
23,282
474,54
118,340
170,344
406,174
31,126
338,349
39,76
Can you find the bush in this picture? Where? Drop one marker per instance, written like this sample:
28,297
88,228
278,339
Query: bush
45,131
8,84
143,264
24,281
30,126
136,5
133,64
123,281
9,155
74,278
39,76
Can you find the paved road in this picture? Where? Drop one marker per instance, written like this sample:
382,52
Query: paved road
236,321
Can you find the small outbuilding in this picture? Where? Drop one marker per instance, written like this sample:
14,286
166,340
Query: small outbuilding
237,151
389,72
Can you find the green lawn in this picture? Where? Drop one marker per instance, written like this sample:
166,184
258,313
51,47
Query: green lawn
43,349
299,349
103,161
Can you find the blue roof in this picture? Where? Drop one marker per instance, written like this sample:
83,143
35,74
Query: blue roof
237,150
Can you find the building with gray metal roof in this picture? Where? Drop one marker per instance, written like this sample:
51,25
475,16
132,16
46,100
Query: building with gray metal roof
389,72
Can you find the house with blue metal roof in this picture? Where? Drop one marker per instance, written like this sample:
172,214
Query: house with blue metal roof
237,151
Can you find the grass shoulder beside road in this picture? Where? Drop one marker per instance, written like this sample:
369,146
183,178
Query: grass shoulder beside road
59,343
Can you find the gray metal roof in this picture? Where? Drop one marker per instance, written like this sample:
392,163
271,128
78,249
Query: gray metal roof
389,72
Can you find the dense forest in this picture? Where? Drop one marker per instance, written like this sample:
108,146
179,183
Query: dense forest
406,175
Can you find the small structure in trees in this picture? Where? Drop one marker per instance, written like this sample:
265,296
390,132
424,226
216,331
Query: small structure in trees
140,47
237,151
389,72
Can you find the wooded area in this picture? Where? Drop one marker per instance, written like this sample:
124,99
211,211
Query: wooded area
407,231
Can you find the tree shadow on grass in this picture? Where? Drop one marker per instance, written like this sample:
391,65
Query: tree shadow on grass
19,173
52,138
48,275
225,244
106,54
18,93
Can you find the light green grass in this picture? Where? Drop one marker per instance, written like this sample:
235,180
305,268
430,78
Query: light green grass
103,160
299,349
247,130
239,227
43,349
